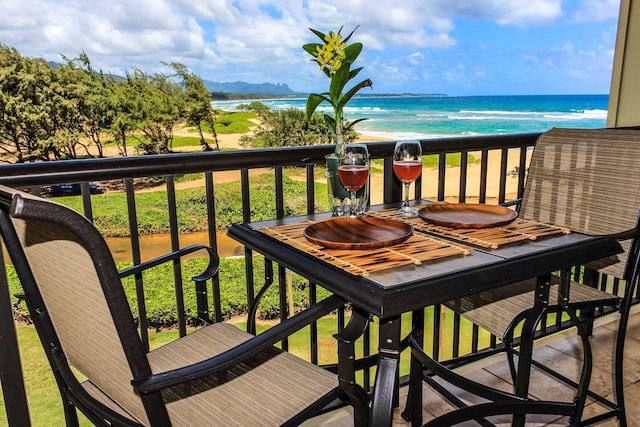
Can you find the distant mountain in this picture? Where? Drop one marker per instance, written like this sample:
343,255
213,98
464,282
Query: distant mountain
279,89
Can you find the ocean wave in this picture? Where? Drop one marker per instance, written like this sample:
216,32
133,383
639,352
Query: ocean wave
397,136
488,118
498,112
585,115
356,109
365,111
531,115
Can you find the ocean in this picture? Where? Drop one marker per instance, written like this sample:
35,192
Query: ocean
413,117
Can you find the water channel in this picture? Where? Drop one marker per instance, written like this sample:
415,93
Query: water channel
155,245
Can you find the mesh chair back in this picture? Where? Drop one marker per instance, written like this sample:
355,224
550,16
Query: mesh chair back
587,180
71,286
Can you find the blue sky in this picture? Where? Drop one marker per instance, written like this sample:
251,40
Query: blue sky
455,47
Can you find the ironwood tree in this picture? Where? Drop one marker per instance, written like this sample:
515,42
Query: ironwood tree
55,111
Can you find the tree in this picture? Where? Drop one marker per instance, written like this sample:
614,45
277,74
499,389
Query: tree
290,128
65,96
161,104
55,112
42,108
257,107
96,103
12,106
27,125
125,107
198,102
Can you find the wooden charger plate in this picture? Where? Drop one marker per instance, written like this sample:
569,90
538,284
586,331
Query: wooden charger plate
466,215
358,233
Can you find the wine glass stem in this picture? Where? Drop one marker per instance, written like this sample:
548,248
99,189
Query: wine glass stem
406,195
353,203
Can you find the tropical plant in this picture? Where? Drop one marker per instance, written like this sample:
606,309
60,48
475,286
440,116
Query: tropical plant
335,58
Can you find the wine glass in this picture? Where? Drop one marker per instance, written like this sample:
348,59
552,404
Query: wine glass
407,165
353,170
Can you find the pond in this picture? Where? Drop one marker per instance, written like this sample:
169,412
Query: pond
152,246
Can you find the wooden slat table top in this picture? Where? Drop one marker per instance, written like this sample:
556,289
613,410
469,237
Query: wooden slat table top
428,242
415,250
489,238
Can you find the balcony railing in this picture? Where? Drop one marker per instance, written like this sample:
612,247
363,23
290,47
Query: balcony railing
500,162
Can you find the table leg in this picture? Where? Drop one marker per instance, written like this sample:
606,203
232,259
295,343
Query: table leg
385,394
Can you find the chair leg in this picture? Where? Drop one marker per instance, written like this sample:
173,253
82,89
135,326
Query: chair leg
413,407
511,353
587,365
619,361
361,410
70,413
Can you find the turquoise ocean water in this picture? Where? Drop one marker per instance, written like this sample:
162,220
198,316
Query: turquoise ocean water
406,117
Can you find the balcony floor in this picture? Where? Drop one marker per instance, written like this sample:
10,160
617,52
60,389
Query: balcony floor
559,352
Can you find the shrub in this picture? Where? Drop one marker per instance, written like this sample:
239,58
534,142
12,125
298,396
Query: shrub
160,299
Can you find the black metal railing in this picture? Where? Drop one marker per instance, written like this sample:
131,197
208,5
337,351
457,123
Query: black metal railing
502,162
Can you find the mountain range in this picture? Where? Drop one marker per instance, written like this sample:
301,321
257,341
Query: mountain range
279,89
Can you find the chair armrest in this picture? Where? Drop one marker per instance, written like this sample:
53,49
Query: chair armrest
209,272
624,235
515,202
241,352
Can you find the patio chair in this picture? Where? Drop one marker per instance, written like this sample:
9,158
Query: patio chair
217,375
589,181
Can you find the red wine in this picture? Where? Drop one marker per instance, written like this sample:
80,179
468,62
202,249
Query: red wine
353,177
407,171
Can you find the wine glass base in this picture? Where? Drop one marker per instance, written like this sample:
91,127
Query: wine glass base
406,211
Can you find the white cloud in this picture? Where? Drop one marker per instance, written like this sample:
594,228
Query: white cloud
256,41
596,11
176,26
575,62
515,12
416,58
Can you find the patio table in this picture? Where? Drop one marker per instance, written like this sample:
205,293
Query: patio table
458,264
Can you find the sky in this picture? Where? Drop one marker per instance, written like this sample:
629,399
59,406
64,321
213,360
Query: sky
453,47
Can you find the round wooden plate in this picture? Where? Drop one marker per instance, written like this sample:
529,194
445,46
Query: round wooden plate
358,233
467,215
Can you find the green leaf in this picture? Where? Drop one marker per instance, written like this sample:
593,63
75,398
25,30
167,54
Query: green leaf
352,52
311,48
313,101
331,123
354,73
338,82
318,33
347,97
350,125
350,34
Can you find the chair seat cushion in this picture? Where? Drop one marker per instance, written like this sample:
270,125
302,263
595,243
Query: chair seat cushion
500,309
267,390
